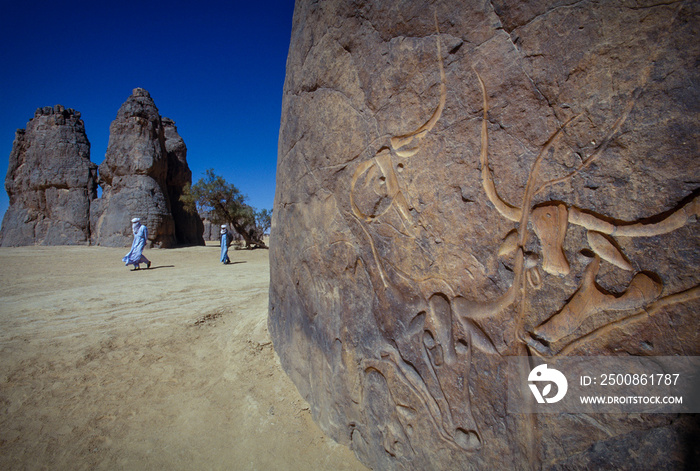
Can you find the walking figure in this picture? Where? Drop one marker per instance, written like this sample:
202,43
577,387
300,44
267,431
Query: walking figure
135,256
225,242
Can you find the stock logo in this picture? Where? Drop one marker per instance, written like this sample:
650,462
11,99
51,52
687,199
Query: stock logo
542,374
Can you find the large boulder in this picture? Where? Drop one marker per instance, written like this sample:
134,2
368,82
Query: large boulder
50,181
133,177
463,182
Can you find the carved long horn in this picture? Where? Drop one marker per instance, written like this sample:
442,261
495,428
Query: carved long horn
675,221
397,142
509,212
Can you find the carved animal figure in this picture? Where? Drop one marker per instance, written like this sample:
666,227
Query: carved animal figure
425,339
435,327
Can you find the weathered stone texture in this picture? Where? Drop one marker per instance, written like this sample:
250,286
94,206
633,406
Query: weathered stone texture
212,231
188,224
50,181
53,185
417,243
134,176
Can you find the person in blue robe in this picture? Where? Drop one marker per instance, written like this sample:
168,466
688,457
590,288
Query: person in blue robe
135,256
225,242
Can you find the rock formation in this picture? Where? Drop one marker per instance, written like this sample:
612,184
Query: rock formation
144,168
50,181
212,230
188,225
458,184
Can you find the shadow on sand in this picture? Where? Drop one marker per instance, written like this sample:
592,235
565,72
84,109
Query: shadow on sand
153,268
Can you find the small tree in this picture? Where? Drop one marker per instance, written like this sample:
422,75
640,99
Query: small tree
214,195
263,219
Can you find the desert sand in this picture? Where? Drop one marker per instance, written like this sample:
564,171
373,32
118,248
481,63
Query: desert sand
169,368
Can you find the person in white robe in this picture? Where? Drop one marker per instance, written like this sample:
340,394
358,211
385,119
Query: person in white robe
135,256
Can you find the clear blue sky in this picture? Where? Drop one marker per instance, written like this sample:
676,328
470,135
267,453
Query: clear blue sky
215,67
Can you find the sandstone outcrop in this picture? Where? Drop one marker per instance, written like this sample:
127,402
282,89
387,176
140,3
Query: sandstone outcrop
50,181
463,182
144,168
52,184
188,225
210,230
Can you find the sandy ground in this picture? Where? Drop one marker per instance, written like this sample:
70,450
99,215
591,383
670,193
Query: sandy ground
168,368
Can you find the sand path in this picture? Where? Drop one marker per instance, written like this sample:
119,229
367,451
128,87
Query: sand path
168,368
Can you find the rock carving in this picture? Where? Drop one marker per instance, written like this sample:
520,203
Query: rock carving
486,228
550,224
427,339
438,328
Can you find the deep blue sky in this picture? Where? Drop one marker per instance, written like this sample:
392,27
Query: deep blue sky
215,67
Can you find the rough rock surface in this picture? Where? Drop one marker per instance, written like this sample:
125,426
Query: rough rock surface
50,181
210,231
461,183
188,225
53,185
133,177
